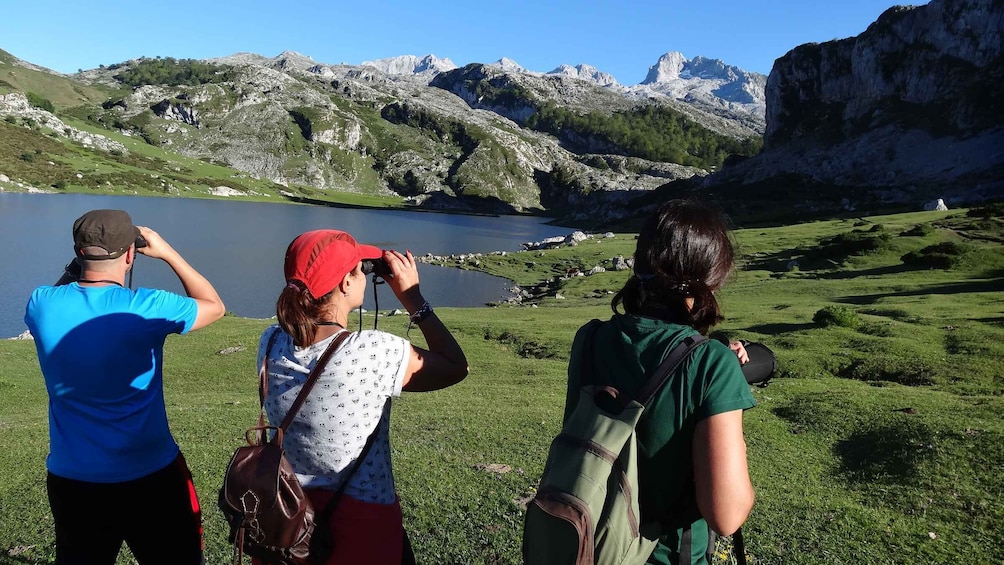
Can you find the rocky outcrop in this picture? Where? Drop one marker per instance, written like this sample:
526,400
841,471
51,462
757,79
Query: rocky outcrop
911,105
587,73
17,105
907,111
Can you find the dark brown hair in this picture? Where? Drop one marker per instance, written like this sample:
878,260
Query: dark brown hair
298,312
684,250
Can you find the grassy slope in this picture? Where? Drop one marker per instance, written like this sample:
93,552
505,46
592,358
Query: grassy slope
850,465
35,157
61,91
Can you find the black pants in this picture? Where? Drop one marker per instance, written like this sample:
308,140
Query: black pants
157,516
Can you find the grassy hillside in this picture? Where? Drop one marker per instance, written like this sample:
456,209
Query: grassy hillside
881,440
38,157
61,91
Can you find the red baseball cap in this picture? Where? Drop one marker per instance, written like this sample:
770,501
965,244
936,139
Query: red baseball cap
320,259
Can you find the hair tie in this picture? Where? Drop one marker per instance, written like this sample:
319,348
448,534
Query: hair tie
293,285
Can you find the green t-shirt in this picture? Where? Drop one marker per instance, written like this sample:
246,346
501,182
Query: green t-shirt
710,382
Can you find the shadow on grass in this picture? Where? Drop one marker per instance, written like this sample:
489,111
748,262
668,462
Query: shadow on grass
992,321
995,285
889,454
777,329
874,272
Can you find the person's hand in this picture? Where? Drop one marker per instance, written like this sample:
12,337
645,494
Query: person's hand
156,247
740,352
404,281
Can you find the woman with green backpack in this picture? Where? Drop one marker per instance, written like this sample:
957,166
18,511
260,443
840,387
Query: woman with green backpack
687,446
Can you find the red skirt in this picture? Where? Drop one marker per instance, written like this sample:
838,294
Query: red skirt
363,532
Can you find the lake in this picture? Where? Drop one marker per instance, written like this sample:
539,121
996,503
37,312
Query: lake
239,246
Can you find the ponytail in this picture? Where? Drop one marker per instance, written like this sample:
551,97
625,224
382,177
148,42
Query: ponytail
297,312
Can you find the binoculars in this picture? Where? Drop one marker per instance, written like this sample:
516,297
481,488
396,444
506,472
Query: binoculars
376,266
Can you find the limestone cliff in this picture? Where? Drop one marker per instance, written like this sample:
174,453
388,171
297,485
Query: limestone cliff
912,107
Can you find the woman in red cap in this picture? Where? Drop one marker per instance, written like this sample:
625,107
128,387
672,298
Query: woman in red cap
350,401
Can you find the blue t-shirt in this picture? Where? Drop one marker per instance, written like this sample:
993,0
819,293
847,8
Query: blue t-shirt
101,353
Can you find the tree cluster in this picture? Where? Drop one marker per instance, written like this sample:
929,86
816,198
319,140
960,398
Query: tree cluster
650,132
173,72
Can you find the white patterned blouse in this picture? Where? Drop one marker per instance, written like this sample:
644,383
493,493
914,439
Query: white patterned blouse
350,398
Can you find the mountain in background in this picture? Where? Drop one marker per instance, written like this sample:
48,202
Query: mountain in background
411,65
908,110
408,126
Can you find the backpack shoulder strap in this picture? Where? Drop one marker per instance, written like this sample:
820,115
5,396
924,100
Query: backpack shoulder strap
263,369
668,366
312,378
263,377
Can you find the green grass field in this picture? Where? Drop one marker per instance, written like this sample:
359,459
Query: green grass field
881,440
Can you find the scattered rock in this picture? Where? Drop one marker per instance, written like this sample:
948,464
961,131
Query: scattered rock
23,336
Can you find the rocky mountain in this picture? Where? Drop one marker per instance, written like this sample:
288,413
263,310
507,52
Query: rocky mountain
910,110
509,66
492,138
411,65
585,72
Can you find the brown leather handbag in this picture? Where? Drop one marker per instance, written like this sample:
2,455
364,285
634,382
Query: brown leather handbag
270,516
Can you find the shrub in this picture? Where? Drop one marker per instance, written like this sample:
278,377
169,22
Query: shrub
944,255
59,184
994,210
919,230
27,157
39,102
843,245
836,315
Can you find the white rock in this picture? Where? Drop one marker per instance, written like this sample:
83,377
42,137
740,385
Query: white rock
23,336
938,205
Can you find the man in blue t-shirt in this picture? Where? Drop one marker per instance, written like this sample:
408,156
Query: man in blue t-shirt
115,472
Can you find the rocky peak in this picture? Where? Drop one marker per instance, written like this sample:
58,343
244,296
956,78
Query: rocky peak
291,60
585,72
666,69
508,65
411,65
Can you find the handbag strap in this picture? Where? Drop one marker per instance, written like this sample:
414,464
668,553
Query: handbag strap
322,361
263,377
329,508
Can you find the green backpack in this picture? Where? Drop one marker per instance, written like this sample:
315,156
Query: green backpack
586,509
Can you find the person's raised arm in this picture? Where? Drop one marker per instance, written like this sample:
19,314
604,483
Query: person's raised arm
721,476
210,306
444,363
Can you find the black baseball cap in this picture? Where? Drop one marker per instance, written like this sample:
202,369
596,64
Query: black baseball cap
111,230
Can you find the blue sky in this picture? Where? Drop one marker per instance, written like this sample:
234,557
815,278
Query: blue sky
621,37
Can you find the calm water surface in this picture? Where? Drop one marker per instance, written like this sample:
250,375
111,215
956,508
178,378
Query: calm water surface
239,246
